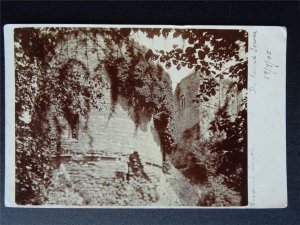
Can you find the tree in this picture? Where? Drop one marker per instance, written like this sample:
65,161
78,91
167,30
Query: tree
218,55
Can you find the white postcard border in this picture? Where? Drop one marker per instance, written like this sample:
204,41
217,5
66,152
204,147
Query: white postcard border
267,182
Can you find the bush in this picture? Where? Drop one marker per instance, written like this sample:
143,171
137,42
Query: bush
216,193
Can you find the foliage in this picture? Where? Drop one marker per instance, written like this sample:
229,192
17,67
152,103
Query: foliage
234,151
32,149
216,193
40,86
45,80
145,88
217,55
219,168
215,52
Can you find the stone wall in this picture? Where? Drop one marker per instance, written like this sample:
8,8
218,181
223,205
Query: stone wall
104,130
118,180
113,132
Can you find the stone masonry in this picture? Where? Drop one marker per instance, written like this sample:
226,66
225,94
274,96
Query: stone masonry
190,112
110,161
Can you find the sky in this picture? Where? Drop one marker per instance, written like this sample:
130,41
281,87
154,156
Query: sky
160,43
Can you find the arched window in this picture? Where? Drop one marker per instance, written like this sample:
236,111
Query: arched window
72,73
74,129
182,101
73,123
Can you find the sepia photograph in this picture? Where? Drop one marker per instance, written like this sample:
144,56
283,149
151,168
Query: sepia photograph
131,116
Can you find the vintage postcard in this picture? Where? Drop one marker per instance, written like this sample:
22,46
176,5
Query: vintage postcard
145,116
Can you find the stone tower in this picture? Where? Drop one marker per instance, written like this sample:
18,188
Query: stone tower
196,115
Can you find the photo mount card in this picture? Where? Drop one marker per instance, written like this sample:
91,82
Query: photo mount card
115,116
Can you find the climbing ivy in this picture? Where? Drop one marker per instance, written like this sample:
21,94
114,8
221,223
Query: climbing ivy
145,87
44,79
